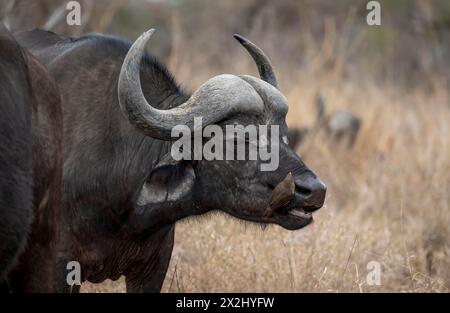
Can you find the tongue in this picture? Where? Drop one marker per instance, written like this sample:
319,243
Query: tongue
299,213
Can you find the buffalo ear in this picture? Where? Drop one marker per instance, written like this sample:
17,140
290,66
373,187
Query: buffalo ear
169,184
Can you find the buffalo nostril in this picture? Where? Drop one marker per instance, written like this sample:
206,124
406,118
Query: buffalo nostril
312,191
303,190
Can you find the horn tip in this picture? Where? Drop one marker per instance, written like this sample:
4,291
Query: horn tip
146,35
150,31
240,38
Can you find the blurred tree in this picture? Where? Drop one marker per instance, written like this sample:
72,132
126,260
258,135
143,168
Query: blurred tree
413,41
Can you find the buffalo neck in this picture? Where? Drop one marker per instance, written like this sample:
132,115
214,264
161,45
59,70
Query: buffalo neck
150,220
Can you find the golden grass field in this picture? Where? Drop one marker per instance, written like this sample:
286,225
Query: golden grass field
388,201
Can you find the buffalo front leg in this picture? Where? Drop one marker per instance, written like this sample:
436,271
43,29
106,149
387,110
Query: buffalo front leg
35,270
147,276
67,280
69,269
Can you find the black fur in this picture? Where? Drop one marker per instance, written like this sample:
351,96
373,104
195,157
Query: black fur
31,167
16,193
106,160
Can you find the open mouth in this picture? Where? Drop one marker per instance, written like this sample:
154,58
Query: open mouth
292,216
289,216
300,213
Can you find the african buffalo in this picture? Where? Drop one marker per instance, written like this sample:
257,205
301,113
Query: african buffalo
341,125
30,170
122,190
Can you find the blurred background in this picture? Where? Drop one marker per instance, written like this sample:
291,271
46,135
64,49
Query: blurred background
388,193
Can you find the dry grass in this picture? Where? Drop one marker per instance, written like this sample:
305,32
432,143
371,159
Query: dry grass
388,201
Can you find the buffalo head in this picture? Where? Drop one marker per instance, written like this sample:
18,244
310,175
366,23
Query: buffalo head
286,195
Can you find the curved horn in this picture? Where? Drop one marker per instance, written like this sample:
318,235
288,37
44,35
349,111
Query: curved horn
213,101
265,68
